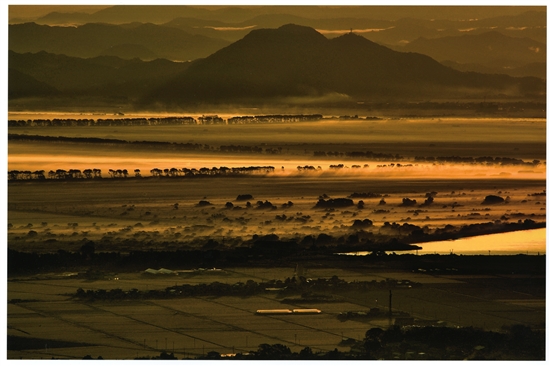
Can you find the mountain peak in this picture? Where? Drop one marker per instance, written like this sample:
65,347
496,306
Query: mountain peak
296,61
286,31
353,40
297,29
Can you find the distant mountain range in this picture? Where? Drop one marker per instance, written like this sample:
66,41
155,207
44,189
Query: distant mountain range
45,74
290,64
382,24
481,39
298,62
494,50
535,69
145,41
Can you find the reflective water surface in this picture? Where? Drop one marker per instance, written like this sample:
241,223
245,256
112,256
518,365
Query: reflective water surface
531,242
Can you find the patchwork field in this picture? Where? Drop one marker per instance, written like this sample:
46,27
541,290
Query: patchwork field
194,326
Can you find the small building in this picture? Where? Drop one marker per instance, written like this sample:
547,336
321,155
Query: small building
162,271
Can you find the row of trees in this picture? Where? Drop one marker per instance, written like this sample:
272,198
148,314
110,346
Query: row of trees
112,142
359,154
290,286
62,174
87,122
275,118
488,160
162,121
14,175
221,171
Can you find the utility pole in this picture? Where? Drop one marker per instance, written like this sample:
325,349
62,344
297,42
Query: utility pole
390,302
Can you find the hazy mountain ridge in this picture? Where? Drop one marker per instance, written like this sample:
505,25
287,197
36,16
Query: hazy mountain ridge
292,64
297,61
490,47
94,39
103,75
416,29
403,23
233,14
535,69
392,32
25,86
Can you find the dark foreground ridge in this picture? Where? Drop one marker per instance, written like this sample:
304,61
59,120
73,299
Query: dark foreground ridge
516,342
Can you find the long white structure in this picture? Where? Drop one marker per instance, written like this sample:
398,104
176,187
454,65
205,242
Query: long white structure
274,312
306,311
287,311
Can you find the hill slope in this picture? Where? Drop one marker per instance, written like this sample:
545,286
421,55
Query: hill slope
101,76
296,61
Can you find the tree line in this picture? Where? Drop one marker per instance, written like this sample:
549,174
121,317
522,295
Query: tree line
487,160
162,121
145,144
221,171
62,174
290,286
97,140
275,118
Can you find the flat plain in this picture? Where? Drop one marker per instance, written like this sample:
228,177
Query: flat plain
170,213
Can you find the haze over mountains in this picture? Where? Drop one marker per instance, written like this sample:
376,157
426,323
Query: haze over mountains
144,41
492,50
297,61
254,54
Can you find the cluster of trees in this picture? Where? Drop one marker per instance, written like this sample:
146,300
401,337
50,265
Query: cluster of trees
275,118
334,203
356,117
393,165
308,168
26,174
486,160
62,174
211,120
365,195
361,224
516,342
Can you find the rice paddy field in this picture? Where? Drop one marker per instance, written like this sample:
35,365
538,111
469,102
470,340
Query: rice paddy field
194,326
394,178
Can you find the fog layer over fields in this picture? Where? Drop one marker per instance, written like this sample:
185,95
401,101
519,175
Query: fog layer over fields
322,143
